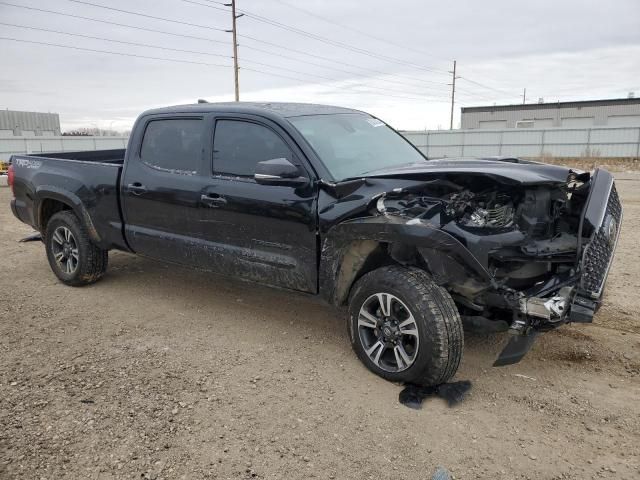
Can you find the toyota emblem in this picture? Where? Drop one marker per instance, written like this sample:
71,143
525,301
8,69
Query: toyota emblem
611,230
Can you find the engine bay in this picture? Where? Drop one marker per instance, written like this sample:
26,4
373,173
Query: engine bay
521,235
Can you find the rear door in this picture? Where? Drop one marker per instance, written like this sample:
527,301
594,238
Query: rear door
161,187
268,233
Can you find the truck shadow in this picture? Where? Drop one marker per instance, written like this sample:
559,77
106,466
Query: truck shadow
297,313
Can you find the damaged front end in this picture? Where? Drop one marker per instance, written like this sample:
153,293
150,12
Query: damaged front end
543,248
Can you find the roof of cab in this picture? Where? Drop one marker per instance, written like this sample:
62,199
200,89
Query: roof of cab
271,109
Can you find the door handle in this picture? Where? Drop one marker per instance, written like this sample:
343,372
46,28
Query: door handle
213,200
136,188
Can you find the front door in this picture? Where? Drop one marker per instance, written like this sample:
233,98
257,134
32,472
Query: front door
267,233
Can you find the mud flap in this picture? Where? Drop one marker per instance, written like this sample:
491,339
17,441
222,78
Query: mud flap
34,237
517,348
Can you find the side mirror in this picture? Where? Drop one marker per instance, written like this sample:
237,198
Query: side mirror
278,171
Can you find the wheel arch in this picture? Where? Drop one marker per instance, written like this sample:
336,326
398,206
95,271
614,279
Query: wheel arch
355,259
354,248
51,200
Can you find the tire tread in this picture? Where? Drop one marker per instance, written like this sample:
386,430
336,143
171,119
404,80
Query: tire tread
93,259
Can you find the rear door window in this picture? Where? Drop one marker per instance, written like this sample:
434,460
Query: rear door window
238,146
174,145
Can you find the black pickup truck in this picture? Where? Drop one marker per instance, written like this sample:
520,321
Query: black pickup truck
333,202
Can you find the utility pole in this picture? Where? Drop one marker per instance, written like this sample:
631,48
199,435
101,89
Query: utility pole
453,93
234,17
524,96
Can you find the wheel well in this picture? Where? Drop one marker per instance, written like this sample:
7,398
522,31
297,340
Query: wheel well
48,208
364,256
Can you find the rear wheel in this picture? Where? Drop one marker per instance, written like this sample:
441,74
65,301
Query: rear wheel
72,257
404,327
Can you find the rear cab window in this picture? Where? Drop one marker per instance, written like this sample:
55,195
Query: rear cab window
174,145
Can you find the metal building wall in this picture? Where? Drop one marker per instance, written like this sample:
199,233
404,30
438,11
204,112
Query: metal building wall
612,142
578,115
15,123
615,142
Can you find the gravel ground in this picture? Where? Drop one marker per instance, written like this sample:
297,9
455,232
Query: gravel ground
161,372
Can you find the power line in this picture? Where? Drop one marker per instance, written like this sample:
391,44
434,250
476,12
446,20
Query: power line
203,38
290,49
115,41
326,40
129,12
114,53
350,72
385,90
300,52
173,60
369,93
159,47
340,44
487,87
210,6
213,41
352,29
249,14
474,94
113,23
312,14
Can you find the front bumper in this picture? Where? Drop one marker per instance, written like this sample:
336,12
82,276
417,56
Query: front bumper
599,232
578,298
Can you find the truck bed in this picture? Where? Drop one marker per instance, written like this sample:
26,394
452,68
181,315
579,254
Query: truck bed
88,182
103,156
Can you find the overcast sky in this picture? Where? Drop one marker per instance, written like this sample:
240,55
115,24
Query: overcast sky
386,57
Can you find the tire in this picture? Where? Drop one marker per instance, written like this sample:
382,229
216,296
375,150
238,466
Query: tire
423,322
72,257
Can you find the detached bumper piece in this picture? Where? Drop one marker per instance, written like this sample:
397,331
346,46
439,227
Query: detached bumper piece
583,310
517,348
551,310
537,315
546,312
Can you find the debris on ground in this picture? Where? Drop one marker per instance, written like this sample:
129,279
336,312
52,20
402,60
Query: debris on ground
441,473
454,392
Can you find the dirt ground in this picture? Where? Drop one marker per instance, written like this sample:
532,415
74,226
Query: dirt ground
161,372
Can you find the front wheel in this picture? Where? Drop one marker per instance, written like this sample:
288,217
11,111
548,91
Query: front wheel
404,327
72,257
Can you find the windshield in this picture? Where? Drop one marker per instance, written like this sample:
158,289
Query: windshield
354,144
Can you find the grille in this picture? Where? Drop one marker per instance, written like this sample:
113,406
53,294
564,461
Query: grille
598,254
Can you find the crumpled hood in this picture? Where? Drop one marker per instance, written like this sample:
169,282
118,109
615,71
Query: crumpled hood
509,170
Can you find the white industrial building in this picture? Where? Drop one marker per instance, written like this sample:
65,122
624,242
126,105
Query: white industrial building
583,114
28,124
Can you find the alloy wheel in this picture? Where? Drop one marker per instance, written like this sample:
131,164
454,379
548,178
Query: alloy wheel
388,332
65,250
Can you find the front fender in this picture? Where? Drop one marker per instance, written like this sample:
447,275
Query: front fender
347,246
